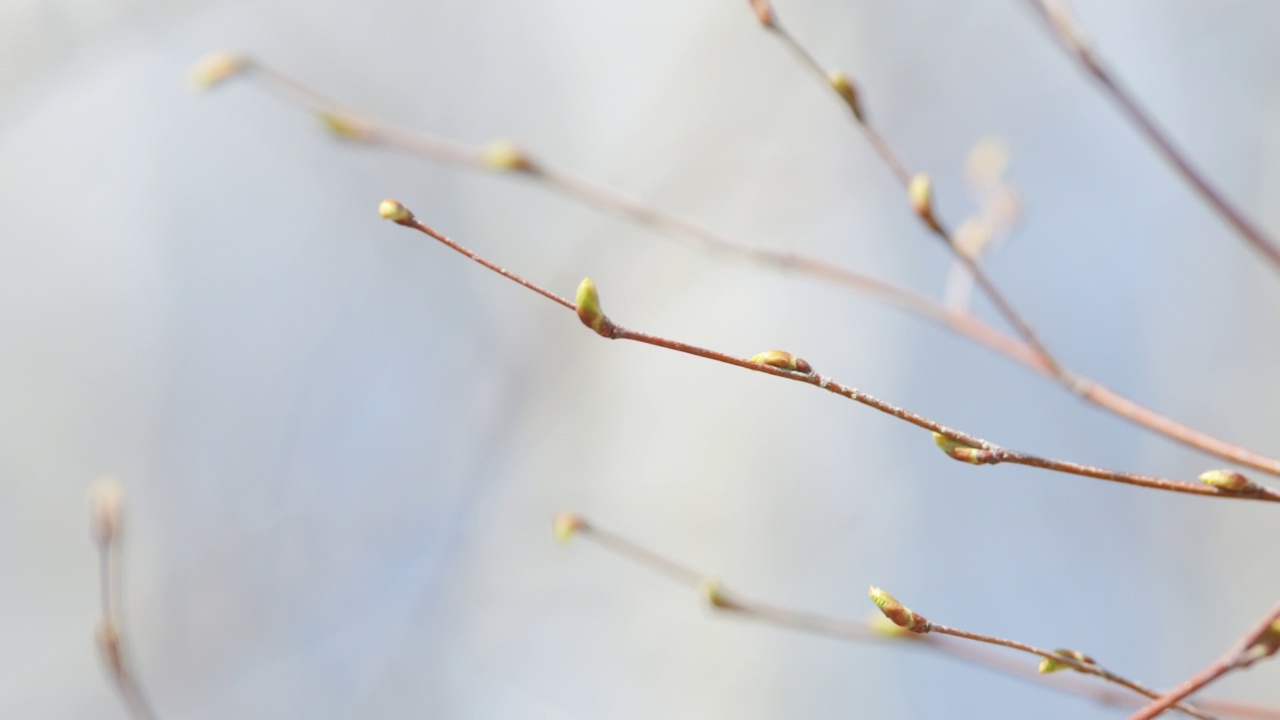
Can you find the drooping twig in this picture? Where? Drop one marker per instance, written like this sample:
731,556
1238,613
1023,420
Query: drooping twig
1051,661
1262,641
504,156
1069,36
720,599
958,445
106,499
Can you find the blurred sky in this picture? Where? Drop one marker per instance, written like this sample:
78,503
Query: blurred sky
342,444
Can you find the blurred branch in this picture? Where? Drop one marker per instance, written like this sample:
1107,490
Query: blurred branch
881,631
503,156
956,444
1057,16
106,500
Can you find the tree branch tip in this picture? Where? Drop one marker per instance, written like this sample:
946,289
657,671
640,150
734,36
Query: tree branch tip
589,311
565,525
506,155
215,67
783,361
393,210
900,614
920,193
106,506
763,10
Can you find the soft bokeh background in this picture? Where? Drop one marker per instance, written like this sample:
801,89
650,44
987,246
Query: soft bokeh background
343,444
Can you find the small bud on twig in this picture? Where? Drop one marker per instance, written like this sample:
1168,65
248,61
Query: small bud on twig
964,453
395,212
783,361
347,127
882,625
1051,666
589,311
900,614
505,155
565,525
845,88
1229,481
214,68
108,638
710,590
764,12
920,193
106,503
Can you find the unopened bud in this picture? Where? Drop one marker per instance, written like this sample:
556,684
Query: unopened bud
783,361
505,155
1049,665
957,450
108,639
844,87
764,12
214,68
106,505
347,127
1229,481
589,311
900,614
1267,644
710,590
920,192
881,625
395,212
565,525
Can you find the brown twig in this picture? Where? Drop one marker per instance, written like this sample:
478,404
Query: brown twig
1262,641
356,128
721,600
1072,40
106,522
965,447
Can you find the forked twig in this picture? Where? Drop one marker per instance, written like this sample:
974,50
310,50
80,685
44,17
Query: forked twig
958,445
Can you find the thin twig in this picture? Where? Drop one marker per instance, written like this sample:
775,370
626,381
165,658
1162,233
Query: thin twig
1262,641
357,128
1072,40
735,604
972,448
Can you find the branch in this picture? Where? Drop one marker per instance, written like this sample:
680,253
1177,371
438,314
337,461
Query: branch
1058,18
1262,641
879,631
106,499
507,157
956,444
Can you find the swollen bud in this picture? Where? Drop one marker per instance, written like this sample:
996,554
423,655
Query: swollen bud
505,155
920,193
883,626
1229,481
898,613
783,361
106,505
589,311
1048,665
844,87
764,12
214,68
710,590
347,127
395,212
564,525
957,450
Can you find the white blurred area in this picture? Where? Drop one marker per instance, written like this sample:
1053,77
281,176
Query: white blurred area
343,444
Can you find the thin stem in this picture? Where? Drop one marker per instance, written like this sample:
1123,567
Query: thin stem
985,452
1072,41
609,200
111,635
1261,641
862,632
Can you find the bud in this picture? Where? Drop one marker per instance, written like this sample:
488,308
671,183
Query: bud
589,311
844,87
783,361
108,639
1048,665
505,155
1229,481
957,450
1267,644
920,192
106,503
764,12
710,590
395,212
347,127
214,68
565,525
898,613
883,626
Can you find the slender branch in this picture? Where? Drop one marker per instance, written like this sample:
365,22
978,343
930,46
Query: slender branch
106,522
722,600
959,445
1262,641
1072,40
356,128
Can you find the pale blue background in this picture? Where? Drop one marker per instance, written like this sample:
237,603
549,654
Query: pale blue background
343,445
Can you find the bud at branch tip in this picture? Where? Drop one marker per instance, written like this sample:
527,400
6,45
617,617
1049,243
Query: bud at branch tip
564,525
395,212
106,504
214,68
898,613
